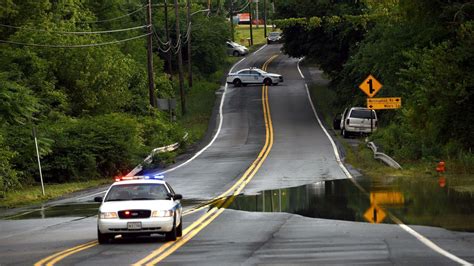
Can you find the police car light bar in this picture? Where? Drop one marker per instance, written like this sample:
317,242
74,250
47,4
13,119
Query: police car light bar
147,177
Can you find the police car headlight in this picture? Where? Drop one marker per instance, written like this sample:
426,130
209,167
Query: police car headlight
108,215
167,213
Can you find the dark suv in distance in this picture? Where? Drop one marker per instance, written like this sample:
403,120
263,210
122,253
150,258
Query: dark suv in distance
274,37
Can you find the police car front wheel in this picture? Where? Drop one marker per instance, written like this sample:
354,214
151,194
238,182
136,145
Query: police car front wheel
103,238
173,234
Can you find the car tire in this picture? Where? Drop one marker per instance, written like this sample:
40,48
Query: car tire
179,229
173,234
344,133
236,53
237,83
103,238
267,82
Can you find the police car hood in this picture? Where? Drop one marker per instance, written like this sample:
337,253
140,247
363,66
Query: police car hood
272,75
112,206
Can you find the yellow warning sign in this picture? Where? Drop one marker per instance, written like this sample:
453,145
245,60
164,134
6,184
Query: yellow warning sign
386,198
375,214
384,103
370,86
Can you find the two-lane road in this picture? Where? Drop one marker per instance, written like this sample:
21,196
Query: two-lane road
269,139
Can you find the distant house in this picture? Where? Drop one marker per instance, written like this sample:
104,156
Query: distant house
244,18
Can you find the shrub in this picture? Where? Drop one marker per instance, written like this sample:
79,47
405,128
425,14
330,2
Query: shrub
92,147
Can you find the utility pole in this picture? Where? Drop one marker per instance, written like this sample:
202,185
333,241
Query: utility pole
39,161
256,12
190,67
232,19
151,81
180,59
250,14
265,18
167,33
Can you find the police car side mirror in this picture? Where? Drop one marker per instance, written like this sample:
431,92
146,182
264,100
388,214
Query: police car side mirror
98,199
174,196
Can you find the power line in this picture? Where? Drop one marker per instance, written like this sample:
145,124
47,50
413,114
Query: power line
74,45
158,44
77,32
188,32
117,18
159,40
243,8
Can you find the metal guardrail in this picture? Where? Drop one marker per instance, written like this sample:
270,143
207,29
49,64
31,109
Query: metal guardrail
148,159
382,156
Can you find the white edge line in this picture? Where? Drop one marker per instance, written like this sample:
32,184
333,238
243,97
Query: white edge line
221,119
432,245
299,70
405,227
261,48
91,195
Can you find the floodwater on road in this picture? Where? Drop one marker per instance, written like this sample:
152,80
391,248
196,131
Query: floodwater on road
414,201
422,202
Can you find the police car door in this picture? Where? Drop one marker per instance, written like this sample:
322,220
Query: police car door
255,77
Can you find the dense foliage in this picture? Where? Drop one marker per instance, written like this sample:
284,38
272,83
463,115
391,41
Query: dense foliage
422,51
89,105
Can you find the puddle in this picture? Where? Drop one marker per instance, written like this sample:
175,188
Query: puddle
414,201
70,210
420,203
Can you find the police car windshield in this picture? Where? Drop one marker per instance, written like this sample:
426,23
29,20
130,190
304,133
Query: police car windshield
137,192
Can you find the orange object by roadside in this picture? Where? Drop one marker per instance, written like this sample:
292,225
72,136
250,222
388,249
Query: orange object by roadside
441,167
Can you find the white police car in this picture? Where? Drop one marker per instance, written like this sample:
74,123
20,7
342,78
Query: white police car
139,205
253,76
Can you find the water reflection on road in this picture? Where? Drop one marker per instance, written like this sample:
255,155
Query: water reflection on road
414,201
422,203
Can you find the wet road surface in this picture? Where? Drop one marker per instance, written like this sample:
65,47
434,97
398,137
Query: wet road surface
301,164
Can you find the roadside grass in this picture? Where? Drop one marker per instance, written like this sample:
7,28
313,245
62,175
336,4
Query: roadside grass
460,177
32,194
242,33
199,102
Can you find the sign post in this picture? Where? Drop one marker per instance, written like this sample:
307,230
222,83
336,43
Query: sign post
371,86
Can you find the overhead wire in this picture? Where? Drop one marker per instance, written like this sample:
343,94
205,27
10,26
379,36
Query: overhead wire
188,32
76,32
159,39
73,45
243,8
116,18
155,35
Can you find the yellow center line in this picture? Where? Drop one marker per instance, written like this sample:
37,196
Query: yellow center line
259,157
52,262
197,226
88,244
223,200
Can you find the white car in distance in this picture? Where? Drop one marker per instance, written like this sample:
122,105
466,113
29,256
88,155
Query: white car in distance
236,49
253,76
139,205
